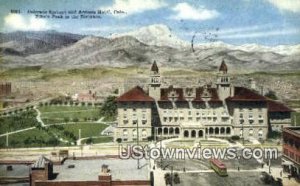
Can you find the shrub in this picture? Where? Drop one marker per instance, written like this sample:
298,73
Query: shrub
235,137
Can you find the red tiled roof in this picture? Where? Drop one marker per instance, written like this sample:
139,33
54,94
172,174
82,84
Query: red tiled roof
275,106
135,94
245,94
164,92
199,91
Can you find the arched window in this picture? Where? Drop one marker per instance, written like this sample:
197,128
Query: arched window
222,130
165,130
193,134
186,133
216,130
211,130
159,131
228,130
177,131
171,131
200,133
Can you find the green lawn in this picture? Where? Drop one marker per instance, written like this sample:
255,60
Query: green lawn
42,137
18,121
60,114
87,129
30,138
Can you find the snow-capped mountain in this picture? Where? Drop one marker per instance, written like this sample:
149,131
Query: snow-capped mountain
161,35
141,47
158,34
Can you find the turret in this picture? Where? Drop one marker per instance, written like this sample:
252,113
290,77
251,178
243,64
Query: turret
155,82
224,86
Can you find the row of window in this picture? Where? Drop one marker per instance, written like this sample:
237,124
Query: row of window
135,122
134,109
134,133
205,119
134,116
250,116
197,112
249,109
251,121
251,131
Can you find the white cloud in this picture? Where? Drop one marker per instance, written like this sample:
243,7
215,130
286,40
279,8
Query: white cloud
19,22
288,5
186,11
135,6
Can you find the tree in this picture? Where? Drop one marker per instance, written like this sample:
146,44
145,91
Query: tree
119,140
66,119
109,108
271,94
89,141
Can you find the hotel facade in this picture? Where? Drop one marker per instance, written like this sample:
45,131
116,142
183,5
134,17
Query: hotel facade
211,110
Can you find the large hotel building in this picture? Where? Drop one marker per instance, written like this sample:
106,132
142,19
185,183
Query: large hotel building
216,110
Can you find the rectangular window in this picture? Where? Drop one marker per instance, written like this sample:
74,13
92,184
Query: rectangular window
125,122
251,122
144,122
190,118
134,122
165,119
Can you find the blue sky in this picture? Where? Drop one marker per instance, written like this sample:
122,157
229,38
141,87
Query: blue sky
266,22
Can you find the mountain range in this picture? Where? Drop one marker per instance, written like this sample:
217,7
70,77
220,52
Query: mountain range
51,49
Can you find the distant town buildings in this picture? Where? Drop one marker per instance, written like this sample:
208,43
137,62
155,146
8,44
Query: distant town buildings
5,89
217,109
291,151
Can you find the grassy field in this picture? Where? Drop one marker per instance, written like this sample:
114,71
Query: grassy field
42,137
30,138
18,121
60,114
87,129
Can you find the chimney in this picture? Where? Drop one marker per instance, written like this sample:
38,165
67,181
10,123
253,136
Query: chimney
105,176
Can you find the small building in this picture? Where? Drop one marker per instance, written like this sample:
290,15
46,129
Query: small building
5,89
41,170
291,151
279,115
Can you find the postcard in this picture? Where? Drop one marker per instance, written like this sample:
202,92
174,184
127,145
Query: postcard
152,92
